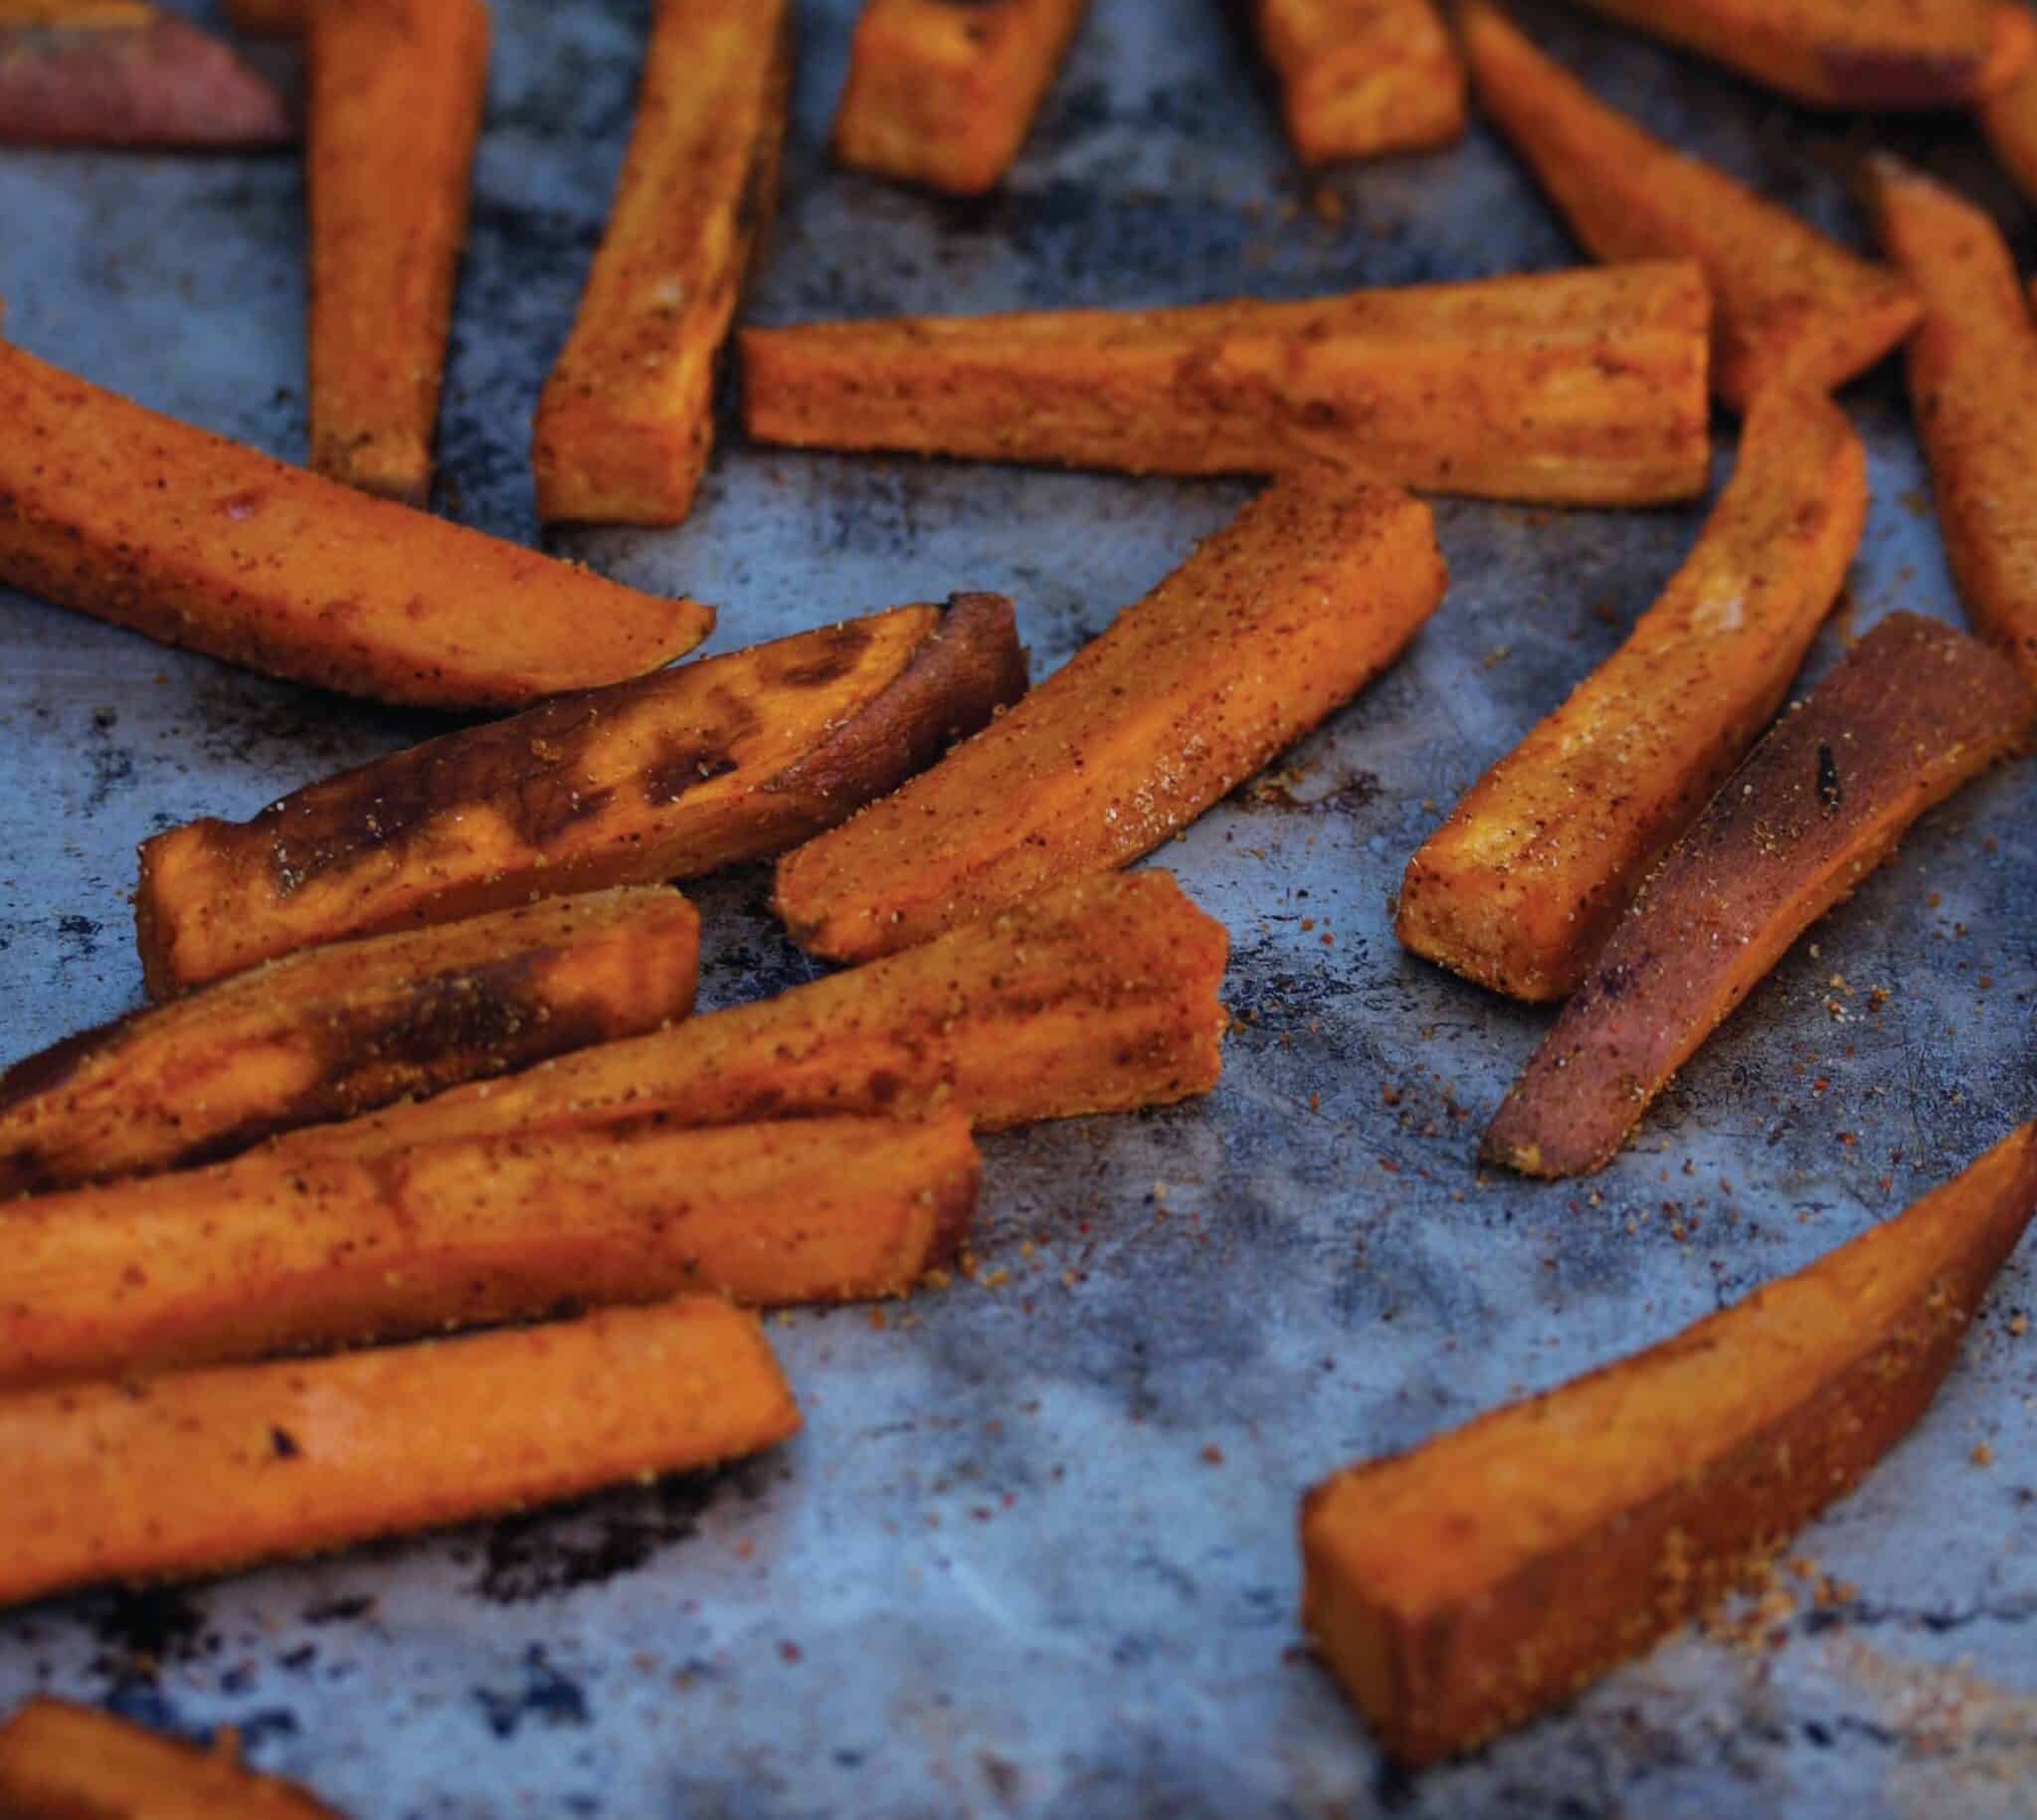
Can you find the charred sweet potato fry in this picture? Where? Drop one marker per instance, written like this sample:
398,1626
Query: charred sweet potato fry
263,1256
155,525
1973,388
1463,1586
943,94
1865,54
395,106
1579,387
269,18
103,72
626,420
1360,78
729,759
1275,621
1914,712
1098,997
193,1472
60,1762
1521,886
337,1031
1790,307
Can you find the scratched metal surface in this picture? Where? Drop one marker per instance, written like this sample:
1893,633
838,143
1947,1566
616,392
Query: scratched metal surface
1034,1554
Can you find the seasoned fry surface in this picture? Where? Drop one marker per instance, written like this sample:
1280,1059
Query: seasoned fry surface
1273,622
1363,77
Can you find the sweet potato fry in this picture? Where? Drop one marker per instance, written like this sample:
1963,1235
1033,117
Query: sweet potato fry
106,74
1914,712
197,541
1864,54
1463,1586
626,420
944,94
1273,622
1098,997
1521,886
1973,388
1790,307
395,106
194,1472
1579,387
2009,120
263,1256
60,1762
733,758
269,18
337,1031
1360,78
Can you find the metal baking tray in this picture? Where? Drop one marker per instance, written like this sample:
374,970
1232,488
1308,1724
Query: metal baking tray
1033,1553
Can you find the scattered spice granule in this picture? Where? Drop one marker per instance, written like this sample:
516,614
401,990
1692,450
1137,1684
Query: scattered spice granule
1212,1455
877,1318
2019,1325
1982,1454
996,1279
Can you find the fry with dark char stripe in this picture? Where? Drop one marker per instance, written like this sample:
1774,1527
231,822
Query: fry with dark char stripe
1360,78
1914,712
340,1030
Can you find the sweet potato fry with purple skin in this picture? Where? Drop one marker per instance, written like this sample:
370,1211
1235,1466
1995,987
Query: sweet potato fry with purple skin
98,77
1521,886
729,759
1464,1586
259,1256
1854,54
1790,307
943,94
1274,622
1914,712
196,1472
59,1762
339,1030
1360,78
1973,392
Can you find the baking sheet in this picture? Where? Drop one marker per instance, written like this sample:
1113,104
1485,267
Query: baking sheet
1033,1553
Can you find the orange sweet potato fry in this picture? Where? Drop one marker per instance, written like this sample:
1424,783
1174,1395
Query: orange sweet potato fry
2009,120
1914,712
1790,307
626,420
1466,1586
60,1762
339,1030
944,94
1866,54
269,18
729,759
155,525
1363,77
1973,388
195,1472
395,106
263,1255
1274,622
1579,387
1521,886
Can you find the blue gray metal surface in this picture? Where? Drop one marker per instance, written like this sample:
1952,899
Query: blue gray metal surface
1034,1554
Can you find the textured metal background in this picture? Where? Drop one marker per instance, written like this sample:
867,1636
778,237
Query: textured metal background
1033,1553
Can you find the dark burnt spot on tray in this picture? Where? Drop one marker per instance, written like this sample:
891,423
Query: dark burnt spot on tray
342,1610
144,1627
546,1696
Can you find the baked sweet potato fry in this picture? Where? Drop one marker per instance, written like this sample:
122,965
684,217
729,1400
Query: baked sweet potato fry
339,1030
397,88
1360,78
1914,712
1854,54
106,74
1521,886
60,1762
169,530
627,416
1466,1586
263,1256
1274,622
729,759
1790,307
1099,996
194,1472
1973,391
2009,120
944,94
269,18
1578,386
